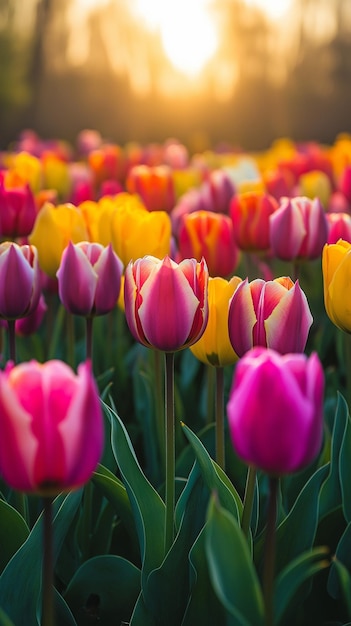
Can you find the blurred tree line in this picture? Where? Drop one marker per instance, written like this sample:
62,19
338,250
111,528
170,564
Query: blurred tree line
61,71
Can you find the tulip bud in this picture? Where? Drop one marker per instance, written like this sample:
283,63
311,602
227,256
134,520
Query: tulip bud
17,206
165,303
298,229
51,426
209,235
97,279
19,280
275,410
250,213
273,314
336,267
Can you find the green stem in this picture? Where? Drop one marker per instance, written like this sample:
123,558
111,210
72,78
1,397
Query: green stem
12,339
248,499
269,551
70,339
210,393
220,447
87,508
170,449
159,407
89,337
47,618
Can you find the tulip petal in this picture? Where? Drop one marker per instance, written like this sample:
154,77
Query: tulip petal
177,305
288,325
241,319
18,446
77,281
287,231
16,283
268,421
109,270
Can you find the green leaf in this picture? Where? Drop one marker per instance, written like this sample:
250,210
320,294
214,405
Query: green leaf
115,492
112,582
342,578
214,477
167,592
331,491
345,470
342,561
13,532
232,572
21,600
289,582
294,537
147,506
5,620
204,606
141,616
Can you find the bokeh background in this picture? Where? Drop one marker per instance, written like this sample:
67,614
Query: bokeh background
207,72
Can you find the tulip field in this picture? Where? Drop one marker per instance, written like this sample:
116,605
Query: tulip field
175,384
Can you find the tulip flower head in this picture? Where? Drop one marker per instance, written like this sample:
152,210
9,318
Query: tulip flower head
97,275
51,426
166,304
211,236
273,314
20,285
154,185
17,206
275,410
336,267
214,347
339,225
298,229
250,213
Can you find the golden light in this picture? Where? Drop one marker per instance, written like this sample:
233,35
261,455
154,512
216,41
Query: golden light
274,9
187,31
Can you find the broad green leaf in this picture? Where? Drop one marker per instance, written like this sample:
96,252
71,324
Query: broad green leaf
5,620
147,506
331,491
294,537
13,532
343,578
232,572
289,582
167,591
345,470
141,616
214,477
63,613
21,601
204,606
342,560
112,582
114,490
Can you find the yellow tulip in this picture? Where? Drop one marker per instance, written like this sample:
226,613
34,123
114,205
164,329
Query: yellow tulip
214,347
336,267
316,183
54,228
133,231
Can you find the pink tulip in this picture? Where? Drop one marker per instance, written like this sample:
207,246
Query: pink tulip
20,286
298,229
165,303
275,410
51,426
339,225
273,314
17,206
89,278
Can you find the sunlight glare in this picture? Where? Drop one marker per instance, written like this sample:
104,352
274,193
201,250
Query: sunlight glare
274,9
188,33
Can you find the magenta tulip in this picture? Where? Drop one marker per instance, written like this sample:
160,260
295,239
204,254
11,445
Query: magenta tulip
166,304
275,410
51,426
17,206
97,275
339,225
298,229
20,285
273,314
